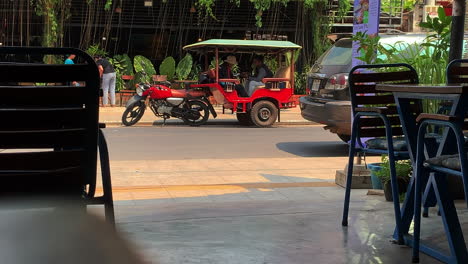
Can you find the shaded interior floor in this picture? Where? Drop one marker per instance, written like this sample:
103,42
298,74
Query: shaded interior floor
304,230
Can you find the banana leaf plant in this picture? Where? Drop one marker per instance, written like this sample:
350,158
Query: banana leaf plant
184,67
168,67
145,69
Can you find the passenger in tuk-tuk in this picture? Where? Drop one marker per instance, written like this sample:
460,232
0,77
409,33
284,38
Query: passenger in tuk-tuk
261,71
225,72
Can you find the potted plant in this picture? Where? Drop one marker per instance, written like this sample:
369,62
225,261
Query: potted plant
376,181
403,171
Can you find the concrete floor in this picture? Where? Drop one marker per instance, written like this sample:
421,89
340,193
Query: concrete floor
246,195
306,230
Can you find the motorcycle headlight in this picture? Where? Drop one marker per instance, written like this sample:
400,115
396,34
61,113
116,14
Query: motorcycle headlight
140,90
337,82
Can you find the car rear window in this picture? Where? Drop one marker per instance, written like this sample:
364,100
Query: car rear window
339,54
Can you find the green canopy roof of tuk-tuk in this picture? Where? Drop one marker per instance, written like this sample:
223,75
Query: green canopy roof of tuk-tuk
243,45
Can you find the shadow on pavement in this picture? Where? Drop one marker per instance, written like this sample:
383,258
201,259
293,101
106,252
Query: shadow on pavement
315,149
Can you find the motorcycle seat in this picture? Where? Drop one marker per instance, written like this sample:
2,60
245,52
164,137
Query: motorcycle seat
184,93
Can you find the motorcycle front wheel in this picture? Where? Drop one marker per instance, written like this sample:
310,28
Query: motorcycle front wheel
133,113
199,116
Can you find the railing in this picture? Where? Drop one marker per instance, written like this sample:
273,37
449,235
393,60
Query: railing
391,15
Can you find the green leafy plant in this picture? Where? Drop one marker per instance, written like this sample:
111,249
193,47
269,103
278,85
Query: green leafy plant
126,64
429,58
213,63
205,8
184,67
300,80
168,67
195,72
440,40
368,47
271,62
320,24
409,5
108,5
95,50
119,67
403,169
288,57
145,69
263,5
343,7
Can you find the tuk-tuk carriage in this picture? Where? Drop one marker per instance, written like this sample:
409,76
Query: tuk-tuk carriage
261,107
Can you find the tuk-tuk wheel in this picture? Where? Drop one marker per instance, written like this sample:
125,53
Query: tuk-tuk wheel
244,119
264,113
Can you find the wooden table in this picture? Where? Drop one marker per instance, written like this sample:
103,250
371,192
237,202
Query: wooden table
405,95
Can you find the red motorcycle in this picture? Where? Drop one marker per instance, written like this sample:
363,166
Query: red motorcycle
193,107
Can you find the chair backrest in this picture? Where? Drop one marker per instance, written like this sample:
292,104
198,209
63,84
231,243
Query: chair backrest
49,130
457,71
362,81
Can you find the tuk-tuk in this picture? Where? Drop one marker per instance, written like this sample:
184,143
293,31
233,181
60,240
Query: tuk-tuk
261,107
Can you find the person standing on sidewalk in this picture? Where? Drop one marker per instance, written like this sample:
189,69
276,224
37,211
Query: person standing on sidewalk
70,59
107,72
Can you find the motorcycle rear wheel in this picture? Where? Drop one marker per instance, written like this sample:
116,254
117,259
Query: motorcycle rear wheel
133,113
202,108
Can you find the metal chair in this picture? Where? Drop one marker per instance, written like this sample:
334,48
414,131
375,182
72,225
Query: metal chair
375,115
434,170
50,129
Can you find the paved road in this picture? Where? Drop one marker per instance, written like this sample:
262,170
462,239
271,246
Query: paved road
180,143
201,164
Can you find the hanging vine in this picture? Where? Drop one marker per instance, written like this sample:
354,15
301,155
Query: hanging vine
108,5
205,9
54,13
264,5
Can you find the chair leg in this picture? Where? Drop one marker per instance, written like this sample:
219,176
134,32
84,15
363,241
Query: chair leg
451,222
395,194
418,176
463,158
425,213
349,178
417,206
106,179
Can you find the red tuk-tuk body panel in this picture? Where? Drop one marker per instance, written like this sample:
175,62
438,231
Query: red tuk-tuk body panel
281,96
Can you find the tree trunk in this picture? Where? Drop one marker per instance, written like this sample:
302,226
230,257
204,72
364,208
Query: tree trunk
457,31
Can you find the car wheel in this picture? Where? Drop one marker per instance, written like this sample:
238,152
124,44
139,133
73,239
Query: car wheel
264,114
344,138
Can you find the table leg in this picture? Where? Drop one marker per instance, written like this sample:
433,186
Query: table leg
408,123
407,210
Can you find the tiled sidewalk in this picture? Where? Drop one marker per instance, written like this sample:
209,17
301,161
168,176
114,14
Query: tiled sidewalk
218,180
